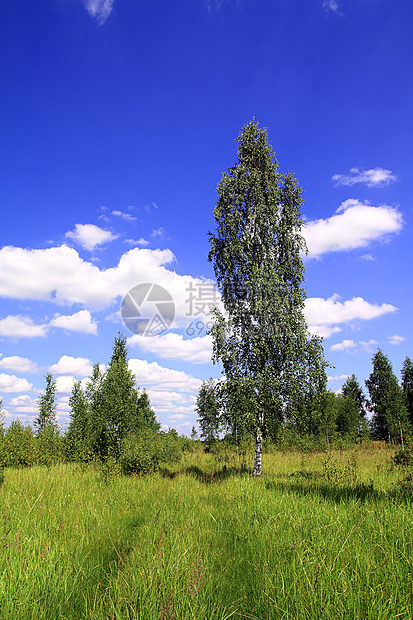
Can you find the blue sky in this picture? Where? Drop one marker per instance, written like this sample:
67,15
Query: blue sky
117,121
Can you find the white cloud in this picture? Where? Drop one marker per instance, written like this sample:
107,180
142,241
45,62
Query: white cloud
151,375
100,9
21,327
331,5
324,331
11,383
319,311
324,315
173,346
24,404
355,225
64,384
343,346
18,364
338,378
350,345
375,177
67,365
79,322
160,232
171,393
124,216
396,339
58,274
89,236
143,242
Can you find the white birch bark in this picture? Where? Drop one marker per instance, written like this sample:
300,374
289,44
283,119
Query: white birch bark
258,446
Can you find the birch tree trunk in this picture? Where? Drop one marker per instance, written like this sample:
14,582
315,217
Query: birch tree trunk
258,446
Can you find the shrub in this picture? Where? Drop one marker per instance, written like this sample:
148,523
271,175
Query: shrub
403,458
143,453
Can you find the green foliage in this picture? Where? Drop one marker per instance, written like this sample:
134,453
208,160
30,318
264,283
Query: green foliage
47,407
407,387
120,398
19,445
256,253
390,419
146,452
209,410
403,458
109,410
49,446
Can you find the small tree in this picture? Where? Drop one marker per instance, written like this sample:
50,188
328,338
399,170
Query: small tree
119,397
256,252
407,387
80,431
389,421
352,412
209,411
125,410
94,397
46,419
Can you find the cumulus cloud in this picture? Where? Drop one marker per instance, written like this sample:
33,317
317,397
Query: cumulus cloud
374,177
173,346
24,404
11,383
21,327
151,375
325,315
18,364
67,365
99,9
59,275
329,311
172,393
79,322
355,225
89,236
64,384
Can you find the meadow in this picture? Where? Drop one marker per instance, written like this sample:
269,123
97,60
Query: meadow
319,535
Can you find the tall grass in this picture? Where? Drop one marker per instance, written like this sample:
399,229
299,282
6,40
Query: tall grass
317,536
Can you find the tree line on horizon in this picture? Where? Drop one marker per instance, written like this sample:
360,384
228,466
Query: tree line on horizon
384,414
111,420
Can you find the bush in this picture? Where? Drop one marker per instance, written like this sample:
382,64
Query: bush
142,454
403,458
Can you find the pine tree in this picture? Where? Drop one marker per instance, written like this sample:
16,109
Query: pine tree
256,251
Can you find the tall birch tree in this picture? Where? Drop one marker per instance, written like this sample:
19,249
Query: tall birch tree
262,340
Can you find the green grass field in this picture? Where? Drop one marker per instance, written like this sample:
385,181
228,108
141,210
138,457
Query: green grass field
317,536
